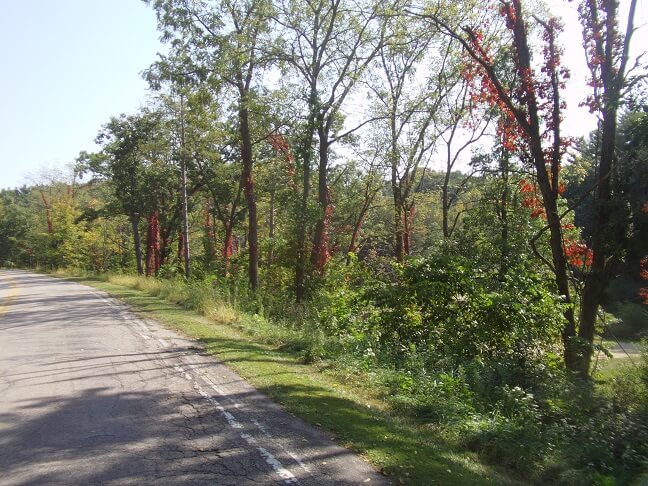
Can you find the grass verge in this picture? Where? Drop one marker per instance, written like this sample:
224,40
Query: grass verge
407,451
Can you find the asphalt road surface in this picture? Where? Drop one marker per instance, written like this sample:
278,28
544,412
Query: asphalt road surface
91,394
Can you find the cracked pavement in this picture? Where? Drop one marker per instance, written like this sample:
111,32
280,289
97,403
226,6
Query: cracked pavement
92,394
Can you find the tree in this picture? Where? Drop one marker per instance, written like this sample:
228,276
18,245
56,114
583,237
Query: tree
130,156
328,46
13,225
608,54
220,174
532,110
463,124
408,107
632,180
222,42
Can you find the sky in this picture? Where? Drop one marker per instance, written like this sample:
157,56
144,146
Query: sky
69,65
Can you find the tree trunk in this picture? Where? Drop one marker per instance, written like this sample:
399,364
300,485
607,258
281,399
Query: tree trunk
399,234
548,188
302,224
137,242
445,201
408,219
397,194
185,222
607,41
302,214
153,245
183,193
503,210
248,188
549,197
597,278
320,252
271,225
354,238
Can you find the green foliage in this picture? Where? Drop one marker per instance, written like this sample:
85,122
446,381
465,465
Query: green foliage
13,227
631,322
451,311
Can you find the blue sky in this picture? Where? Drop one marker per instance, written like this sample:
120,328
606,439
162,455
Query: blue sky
67,67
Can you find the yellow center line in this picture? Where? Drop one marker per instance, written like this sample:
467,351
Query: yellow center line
9,298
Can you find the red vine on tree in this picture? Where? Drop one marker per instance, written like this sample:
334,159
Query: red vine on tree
530,106
643,292
281,146
153,244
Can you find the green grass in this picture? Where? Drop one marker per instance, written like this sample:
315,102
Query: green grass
410,452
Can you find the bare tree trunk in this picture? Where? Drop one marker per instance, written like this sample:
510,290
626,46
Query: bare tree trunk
306,152
503,214
597,279
153,245
137,242
271,225
320,253
248,188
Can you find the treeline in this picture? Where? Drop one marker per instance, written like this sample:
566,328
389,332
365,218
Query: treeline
287,125
394,178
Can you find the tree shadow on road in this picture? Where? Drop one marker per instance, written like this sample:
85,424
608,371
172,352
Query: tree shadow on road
102,437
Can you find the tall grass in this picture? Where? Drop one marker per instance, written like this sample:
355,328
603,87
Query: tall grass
221,306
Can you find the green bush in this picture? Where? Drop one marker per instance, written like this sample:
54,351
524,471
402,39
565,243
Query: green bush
456,313
443,398
631,322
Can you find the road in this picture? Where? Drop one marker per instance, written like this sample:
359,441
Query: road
92,394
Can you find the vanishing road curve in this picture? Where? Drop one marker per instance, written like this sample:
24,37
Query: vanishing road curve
92,394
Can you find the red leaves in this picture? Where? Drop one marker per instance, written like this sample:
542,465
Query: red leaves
643,293
577,253
531,199
280,145
506,11
643,272
644,268
526,187
153,243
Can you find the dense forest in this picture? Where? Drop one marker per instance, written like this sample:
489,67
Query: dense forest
391,182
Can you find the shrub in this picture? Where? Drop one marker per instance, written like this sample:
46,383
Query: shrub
445,306
631,322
